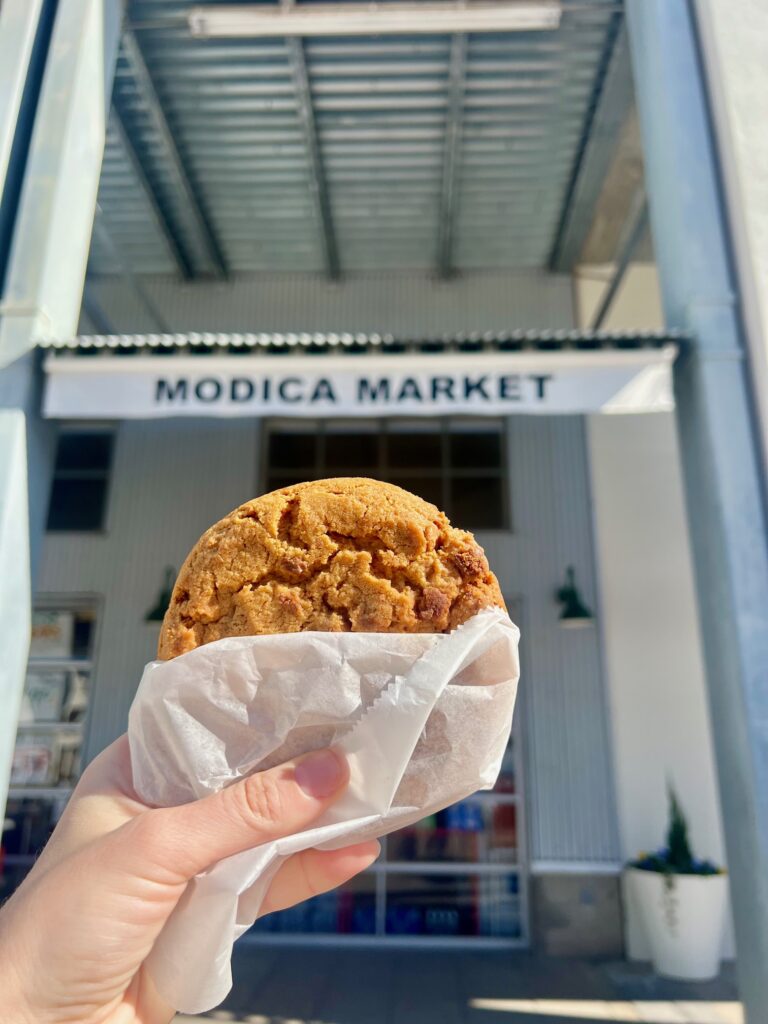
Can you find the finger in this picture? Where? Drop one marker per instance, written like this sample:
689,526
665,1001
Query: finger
311,872
176,843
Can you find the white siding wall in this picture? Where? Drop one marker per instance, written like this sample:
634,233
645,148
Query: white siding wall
571,806
173,478
657,691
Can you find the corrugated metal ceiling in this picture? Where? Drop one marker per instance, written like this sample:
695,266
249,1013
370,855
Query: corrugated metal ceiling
384,188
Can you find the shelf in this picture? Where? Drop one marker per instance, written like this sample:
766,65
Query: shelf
443,867
51,726
36,665
39,792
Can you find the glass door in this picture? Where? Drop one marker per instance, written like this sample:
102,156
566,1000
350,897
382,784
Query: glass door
456,878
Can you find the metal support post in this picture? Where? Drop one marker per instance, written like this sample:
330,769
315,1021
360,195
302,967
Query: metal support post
15,589
53,226
52,220
724,487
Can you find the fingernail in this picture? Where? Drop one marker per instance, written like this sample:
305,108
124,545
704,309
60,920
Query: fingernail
321,773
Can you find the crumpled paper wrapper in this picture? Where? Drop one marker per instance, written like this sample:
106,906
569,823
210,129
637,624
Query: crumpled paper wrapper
424,720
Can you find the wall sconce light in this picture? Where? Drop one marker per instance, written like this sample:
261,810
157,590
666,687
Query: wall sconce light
575,614
157,613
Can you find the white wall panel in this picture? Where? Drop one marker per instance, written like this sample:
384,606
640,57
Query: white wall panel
571,812
655,672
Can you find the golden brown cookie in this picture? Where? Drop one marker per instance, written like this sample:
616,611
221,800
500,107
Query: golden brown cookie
338,555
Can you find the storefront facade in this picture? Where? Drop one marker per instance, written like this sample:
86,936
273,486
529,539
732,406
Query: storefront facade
124,511
497,407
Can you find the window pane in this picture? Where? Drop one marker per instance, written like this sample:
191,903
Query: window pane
88,451
475,450
77,504
275,483
477,504
422,904
477,830
507,781
428,488
288,450
413,450
352,451
82,639
349,910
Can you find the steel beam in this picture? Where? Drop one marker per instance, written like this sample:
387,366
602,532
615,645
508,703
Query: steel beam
309,128
631,233
159,215
453,134
135,58
719,446
101,232
594,158
19,20
95,311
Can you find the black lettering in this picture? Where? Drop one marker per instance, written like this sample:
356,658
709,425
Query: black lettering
472,386
541,380
442,386
241,389
267,388
509,386
323,389
165,390
208,390
370,392
409,389
282,386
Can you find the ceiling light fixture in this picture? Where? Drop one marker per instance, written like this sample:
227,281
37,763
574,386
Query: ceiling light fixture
353,19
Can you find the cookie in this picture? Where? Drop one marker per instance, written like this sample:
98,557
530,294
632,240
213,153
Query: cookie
335,555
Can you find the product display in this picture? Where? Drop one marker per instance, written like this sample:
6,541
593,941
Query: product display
43,697
347,554
47,756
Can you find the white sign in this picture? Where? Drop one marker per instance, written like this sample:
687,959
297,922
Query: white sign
141,387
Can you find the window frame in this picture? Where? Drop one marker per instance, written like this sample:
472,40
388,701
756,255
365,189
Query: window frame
381,428
88,427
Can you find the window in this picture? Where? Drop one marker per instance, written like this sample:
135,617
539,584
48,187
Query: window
459,465
49,738
80,480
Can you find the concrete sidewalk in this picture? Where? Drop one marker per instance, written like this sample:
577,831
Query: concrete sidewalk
336,986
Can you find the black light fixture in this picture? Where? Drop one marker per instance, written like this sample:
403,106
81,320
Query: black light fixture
157,613
575,614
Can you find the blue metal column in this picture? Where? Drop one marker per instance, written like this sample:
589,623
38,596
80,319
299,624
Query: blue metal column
54,151
724,488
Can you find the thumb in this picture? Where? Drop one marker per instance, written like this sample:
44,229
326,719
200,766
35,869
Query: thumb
175,843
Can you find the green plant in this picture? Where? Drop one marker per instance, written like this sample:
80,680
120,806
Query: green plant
676,858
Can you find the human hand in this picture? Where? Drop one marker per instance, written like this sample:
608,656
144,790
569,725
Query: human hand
75,935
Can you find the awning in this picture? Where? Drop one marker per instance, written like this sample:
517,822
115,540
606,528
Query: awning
314,375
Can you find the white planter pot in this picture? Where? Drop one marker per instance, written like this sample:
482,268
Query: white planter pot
683,923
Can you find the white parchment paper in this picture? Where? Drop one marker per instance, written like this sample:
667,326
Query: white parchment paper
424,720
